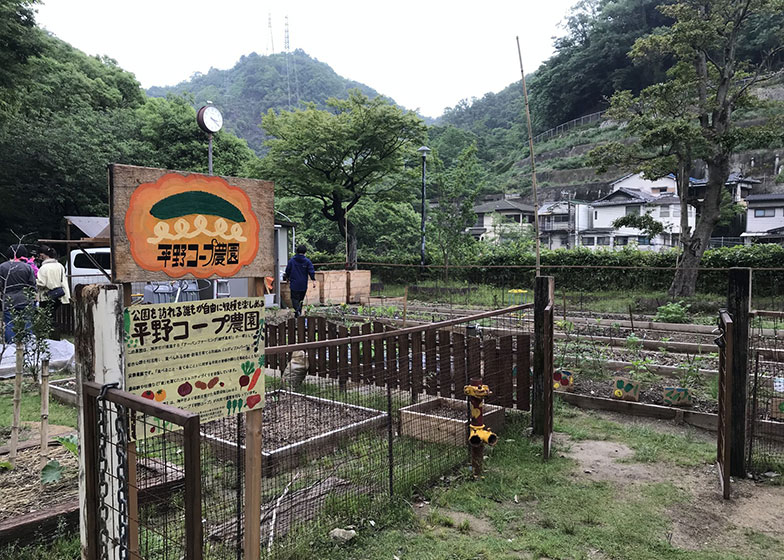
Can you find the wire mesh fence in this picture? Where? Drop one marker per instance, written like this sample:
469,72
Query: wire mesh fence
142,464
348,425
765,437
352,423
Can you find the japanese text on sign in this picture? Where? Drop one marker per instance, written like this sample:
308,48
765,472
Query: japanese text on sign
205,357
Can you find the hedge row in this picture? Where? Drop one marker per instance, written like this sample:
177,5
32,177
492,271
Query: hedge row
584,269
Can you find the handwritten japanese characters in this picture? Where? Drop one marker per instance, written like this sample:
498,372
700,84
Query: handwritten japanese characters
171,225
206,357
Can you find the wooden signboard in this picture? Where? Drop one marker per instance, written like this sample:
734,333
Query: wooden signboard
167,224
206,357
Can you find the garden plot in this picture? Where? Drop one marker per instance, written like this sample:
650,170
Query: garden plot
443,420
297,427
21,490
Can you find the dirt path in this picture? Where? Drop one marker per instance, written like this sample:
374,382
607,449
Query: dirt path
704,517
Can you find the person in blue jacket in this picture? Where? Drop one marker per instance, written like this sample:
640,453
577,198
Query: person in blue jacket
298,269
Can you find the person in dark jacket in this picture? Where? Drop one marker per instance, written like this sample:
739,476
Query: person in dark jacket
298,269
15,276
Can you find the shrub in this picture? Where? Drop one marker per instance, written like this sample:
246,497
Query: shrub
512,265
674,312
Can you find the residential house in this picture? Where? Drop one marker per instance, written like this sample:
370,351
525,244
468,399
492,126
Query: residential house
636,181
663,207
561,222
497,217
764,219
738,186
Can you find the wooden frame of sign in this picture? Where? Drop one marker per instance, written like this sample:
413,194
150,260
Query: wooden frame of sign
167,225
225,211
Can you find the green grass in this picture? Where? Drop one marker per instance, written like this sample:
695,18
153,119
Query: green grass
531,508
649,445
59,414
64,546
539,510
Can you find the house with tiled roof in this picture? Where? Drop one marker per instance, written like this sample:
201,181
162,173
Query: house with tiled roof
664,207
764,219
737,184
495,217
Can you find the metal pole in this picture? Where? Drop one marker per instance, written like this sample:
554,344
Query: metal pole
209,155
533,163
422,249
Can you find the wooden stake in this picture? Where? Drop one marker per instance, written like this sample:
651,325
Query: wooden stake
44,412
405,305
533,162
17,404
738,304
564,309
253,442
543,296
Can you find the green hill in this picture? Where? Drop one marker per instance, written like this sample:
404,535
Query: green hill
258,83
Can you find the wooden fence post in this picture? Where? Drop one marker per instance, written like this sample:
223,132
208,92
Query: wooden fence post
253,465
739,305
543,296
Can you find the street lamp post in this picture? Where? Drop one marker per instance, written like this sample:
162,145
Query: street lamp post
424,150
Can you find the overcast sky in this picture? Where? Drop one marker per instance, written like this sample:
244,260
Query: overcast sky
424,55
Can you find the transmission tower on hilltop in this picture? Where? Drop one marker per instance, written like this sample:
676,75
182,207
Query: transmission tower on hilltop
272,41
286,56
287,49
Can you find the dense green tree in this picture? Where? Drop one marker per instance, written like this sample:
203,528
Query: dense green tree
388,230
338,157
74,114
455,193
591,59
691,115
19,40
169,138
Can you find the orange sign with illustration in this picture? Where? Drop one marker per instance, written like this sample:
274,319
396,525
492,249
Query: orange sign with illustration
195,225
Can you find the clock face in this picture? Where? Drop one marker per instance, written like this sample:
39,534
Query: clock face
212,119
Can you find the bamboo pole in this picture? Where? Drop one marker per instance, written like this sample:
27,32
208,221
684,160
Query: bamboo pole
44,412
17,404
533,163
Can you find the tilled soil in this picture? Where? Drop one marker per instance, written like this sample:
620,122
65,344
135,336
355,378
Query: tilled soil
448,412
650,393
291,418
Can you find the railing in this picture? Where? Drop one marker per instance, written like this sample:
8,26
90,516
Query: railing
561,128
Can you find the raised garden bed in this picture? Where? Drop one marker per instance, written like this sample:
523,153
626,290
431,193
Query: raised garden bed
33,512
650,393
443,420
64,390
315,427
704,420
